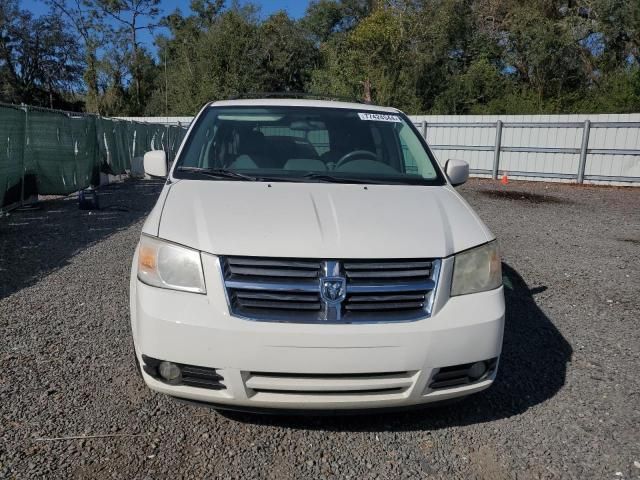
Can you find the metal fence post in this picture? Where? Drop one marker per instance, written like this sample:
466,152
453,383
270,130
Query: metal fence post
496,150
424,129
584,150
25,144
169,152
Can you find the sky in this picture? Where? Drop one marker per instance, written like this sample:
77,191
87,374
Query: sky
295,9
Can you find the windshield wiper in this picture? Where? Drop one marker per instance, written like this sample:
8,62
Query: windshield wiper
223,174
218,173
324,177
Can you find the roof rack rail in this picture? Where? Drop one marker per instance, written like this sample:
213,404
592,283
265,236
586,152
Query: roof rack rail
315,96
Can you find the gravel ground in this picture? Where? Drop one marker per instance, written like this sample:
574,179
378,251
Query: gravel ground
566,403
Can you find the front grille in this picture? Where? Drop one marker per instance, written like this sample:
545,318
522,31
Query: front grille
265,288
329,384
269,268
330,291
202,377
402,285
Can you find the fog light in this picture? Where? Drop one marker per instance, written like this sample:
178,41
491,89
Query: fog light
477,370
169,371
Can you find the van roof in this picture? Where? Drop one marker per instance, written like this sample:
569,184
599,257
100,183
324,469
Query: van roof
296,102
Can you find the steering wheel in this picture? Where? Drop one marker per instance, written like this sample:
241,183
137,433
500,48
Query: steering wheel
351,156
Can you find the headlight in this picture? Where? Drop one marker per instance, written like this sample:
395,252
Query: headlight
477,270
167,265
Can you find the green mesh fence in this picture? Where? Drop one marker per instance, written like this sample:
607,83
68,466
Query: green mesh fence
12,168
50,152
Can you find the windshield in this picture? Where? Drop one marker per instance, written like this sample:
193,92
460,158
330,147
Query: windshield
306,144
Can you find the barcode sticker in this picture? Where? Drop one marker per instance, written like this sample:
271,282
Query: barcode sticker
380,117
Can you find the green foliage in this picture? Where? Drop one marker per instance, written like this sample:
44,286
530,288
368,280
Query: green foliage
479,85
374,55
618,92
438,56
327,17
231,53
128,18
424,56
209,62
39,58
288,55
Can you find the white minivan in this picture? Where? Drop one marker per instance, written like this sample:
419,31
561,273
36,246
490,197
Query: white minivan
313,255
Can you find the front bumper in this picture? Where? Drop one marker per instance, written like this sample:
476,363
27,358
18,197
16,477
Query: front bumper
311,366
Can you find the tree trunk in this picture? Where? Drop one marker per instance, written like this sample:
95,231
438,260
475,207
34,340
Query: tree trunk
92,101
367,91
135,70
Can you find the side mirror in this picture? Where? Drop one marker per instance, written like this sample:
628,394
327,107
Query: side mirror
457,171
155,163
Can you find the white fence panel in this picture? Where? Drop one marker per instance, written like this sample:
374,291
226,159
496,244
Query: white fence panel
182,121
541,147
603,137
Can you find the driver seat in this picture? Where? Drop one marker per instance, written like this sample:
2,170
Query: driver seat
349,138
254,145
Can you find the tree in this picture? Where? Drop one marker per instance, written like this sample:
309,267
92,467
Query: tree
288,54
325,18
206,11
619,31
545,50
89,25
441,56
131,16
40,61
111,82
209,60
469,92
375,58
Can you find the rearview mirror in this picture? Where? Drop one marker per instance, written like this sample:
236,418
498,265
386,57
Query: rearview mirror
155,163
457,171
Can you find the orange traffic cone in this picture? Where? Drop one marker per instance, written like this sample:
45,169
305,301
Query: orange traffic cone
505,179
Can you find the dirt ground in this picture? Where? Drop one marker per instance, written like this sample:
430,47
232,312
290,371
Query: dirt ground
566,403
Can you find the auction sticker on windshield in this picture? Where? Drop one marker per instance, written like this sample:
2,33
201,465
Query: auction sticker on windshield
379,117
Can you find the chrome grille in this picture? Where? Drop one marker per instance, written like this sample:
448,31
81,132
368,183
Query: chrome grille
270,288
387,269
329,291
396,285
266,267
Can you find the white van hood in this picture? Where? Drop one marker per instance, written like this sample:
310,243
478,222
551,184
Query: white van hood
318,220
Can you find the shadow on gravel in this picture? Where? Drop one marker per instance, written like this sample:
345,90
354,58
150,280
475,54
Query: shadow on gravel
527,197
634,241
532,369
39,240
